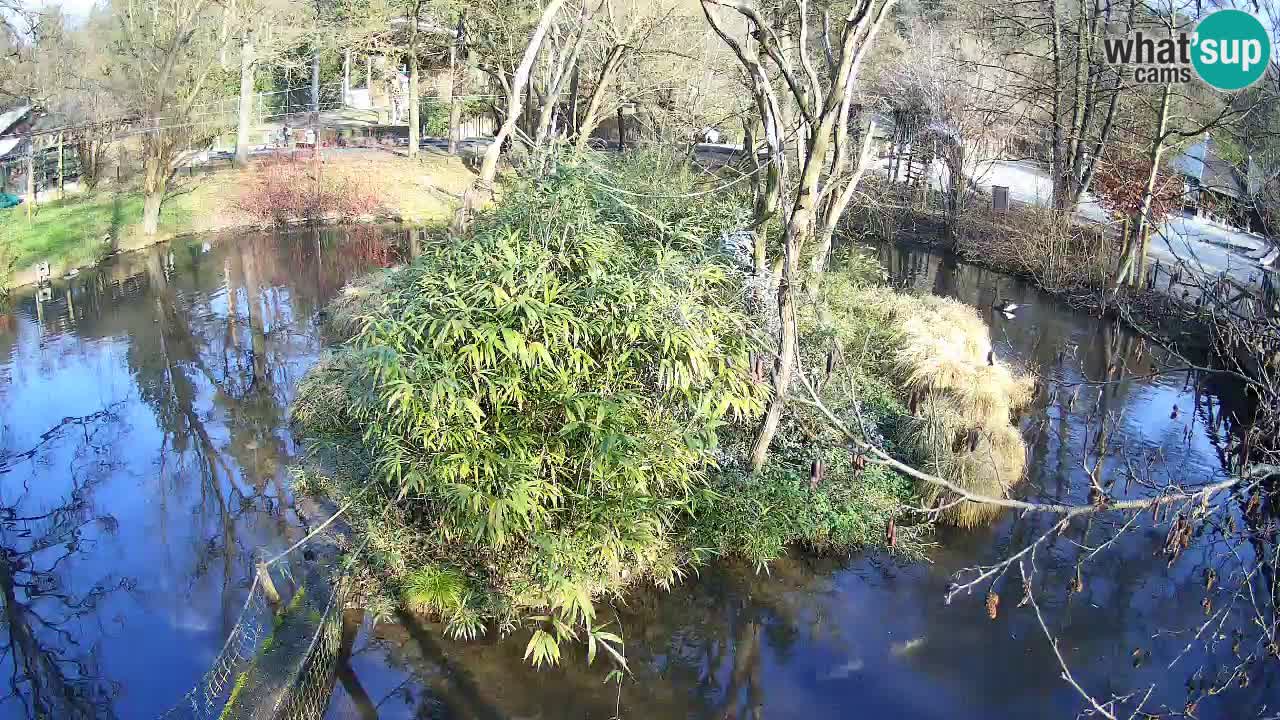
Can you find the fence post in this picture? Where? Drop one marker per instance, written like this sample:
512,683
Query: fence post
268,586
31,176
62,189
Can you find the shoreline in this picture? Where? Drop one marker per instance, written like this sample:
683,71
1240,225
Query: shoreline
28,277
413,192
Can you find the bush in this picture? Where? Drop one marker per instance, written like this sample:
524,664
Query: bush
283,190
547,397
8,258
1042,244
435,118
560,405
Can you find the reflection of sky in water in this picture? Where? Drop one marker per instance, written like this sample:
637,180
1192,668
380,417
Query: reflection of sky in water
196,355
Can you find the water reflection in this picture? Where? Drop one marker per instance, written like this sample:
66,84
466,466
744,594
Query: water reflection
142,458
143,447
867,637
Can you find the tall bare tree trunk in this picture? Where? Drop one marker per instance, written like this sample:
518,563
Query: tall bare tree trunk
481,191
415,129
31,177
592,116
448,92
155,179
1136,246
825,110
315,98
246,99
572,129
62,178
837,207
786,361
489,168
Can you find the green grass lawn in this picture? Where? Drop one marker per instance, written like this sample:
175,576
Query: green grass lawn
74,231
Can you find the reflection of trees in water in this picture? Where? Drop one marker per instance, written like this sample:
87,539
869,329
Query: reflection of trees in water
52,670
1181,429
215,337
697,652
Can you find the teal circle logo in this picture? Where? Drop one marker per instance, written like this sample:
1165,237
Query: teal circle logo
1232,49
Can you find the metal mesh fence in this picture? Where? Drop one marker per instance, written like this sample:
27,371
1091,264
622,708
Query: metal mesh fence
206,699
309,683
308,691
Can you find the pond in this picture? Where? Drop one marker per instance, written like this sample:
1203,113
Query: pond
144,453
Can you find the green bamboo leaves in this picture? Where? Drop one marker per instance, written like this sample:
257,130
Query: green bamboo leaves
548,394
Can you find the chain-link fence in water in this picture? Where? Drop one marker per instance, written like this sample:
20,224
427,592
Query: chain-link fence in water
304,693
307,692
206,700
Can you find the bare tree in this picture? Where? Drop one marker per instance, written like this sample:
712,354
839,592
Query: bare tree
960,102
165,56
481,190
825,184
1053,66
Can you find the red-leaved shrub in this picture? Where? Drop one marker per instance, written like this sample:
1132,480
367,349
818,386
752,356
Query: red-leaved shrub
282,190
1121,181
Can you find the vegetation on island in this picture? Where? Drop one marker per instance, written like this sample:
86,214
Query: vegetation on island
531,418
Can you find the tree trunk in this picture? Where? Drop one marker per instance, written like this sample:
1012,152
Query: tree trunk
785,363
151,202
573,103
568,65
836,209
489,168
62,177
246,100
155,181
591,118
481,190
455,123
1136,242
415,129
315,94
31,177
346,74
449,93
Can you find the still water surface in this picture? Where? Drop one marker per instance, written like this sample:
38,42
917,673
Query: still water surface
144,447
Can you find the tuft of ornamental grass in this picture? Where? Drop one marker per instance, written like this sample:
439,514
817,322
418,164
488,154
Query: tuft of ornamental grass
961,429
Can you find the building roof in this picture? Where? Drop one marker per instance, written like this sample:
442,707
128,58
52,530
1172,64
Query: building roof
8,119
1221,176
11,117
1201,162
1191,161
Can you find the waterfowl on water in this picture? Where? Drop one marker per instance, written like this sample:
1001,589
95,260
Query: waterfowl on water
1004,305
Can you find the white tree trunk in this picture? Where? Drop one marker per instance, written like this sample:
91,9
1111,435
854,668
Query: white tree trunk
489,168
246,100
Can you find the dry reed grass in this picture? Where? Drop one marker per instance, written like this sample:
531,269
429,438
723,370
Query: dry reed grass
964,402
357,301
325,393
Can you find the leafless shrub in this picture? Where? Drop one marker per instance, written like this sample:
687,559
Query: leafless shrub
1043,244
